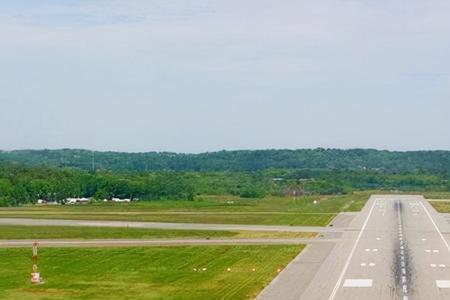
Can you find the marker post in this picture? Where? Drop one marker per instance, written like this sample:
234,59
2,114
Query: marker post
35,275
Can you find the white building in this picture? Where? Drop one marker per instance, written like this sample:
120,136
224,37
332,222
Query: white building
120,200
77,201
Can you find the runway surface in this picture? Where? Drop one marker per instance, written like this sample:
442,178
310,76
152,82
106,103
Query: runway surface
393,249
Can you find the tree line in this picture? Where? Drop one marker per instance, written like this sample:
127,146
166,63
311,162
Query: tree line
21,183
435,162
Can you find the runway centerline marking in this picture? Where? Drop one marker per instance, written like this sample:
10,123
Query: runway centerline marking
402,256
347,263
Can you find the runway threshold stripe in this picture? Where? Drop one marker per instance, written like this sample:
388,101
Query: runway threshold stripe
443,284
354,283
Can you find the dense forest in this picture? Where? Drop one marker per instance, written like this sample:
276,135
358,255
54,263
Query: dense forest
20,184
29,175
435,162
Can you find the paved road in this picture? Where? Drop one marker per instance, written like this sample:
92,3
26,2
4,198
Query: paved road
157,242
394,249
156,225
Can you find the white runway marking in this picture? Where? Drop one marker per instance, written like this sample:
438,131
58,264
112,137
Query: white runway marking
435,226
402,257
349,283
365,264
443,284
347,263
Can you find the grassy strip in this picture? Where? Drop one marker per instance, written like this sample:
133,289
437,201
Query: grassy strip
441,206
143,273
437,195
326,204
69,232
306,211
261,219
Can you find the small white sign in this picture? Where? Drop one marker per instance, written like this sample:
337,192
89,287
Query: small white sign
35,278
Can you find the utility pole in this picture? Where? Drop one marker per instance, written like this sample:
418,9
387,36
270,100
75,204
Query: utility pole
93,161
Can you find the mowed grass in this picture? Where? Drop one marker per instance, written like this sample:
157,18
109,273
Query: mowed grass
441,206
70,232
228,218
437,195
143,273
207,209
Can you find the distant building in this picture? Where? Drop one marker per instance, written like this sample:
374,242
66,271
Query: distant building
45,202
120,200
77,201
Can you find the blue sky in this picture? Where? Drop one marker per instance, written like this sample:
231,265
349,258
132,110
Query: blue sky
193,76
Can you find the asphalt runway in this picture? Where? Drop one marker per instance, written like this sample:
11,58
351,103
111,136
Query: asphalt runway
393,249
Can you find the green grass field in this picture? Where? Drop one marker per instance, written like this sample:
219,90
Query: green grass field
228,218
143,273
440,206
437,195
208,209
69,232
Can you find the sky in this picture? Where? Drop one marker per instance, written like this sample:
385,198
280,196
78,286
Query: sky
206,75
